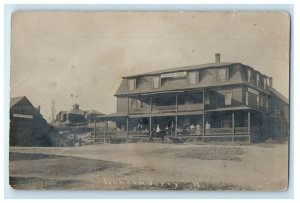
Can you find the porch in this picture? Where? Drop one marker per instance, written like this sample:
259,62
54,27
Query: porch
208,126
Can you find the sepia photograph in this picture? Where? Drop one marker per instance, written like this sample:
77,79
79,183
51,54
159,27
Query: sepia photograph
150,101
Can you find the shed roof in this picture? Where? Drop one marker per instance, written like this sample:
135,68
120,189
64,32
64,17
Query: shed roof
16,100
279,95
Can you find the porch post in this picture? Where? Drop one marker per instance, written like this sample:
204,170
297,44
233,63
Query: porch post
150,104
203,119
127,126
176,102
95,129
150,124
249,126
233,126
176,121
104,132
203,126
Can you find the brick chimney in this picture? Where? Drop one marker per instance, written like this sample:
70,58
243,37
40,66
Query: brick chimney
218,57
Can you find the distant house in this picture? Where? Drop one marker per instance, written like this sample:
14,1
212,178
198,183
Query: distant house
27,125
91,115
76,115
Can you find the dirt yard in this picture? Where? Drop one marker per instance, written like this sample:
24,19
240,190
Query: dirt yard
145,166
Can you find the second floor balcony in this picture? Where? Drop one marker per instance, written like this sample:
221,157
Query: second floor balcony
167,103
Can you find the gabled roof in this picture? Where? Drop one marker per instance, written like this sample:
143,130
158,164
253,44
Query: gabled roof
16,100
184,68
76,111
279,95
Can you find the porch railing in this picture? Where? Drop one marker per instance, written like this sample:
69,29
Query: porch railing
164,108
140,110
190,107
241,130
219,131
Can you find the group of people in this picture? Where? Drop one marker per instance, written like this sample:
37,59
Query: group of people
157,132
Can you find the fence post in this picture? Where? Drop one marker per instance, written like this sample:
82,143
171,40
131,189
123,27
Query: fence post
233,126
104,132
249,126
95,126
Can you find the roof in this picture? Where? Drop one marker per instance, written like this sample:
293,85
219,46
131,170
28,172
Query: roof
113,115
76,111
184,68
15,100
94,112
279,95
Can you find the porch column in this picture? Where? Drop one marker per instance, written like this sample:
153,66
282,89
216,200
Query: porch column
150,124
233,126
249,126
95,129
150,104
176,121
203,119
176,102
127,126
203,126
104,132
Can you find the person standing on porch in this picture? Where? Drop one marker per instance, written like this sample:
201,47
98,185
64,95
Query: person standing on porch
152,132
198,129
207,126
172,129
157,129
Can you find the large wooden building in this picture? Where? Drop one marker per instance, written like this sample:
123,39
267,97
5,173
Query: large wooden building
216,100
27,125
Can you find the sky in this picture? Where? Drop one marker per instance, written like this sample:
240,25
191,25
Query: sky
58,54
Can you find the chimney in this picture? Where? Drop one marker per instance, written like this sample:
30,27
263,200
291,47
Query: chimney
39,108
218,57
270,82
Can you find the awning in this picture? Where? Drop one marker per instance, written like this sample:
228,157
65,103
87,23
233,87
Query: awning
187,113
112,116
229,109
151,115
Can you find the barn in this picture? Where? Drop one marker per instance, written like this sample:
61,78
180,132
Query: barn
27,125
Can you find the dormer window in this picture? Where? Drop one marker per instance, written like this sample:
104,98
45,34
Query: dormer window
193,77
228,98
249,76
132,84
265,83
257,80
156,82
223,74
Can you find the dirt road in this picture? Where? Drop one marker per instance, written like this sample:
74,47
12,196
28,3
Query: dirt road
146,166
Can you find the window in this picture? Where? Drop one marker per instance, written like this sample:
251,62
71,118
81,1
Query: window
133,103
267,104
249,75
228,98
156,82
193,78
207,99
257,100
132,84
257,80
261,100
138,103
223,74
265,83
247,98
